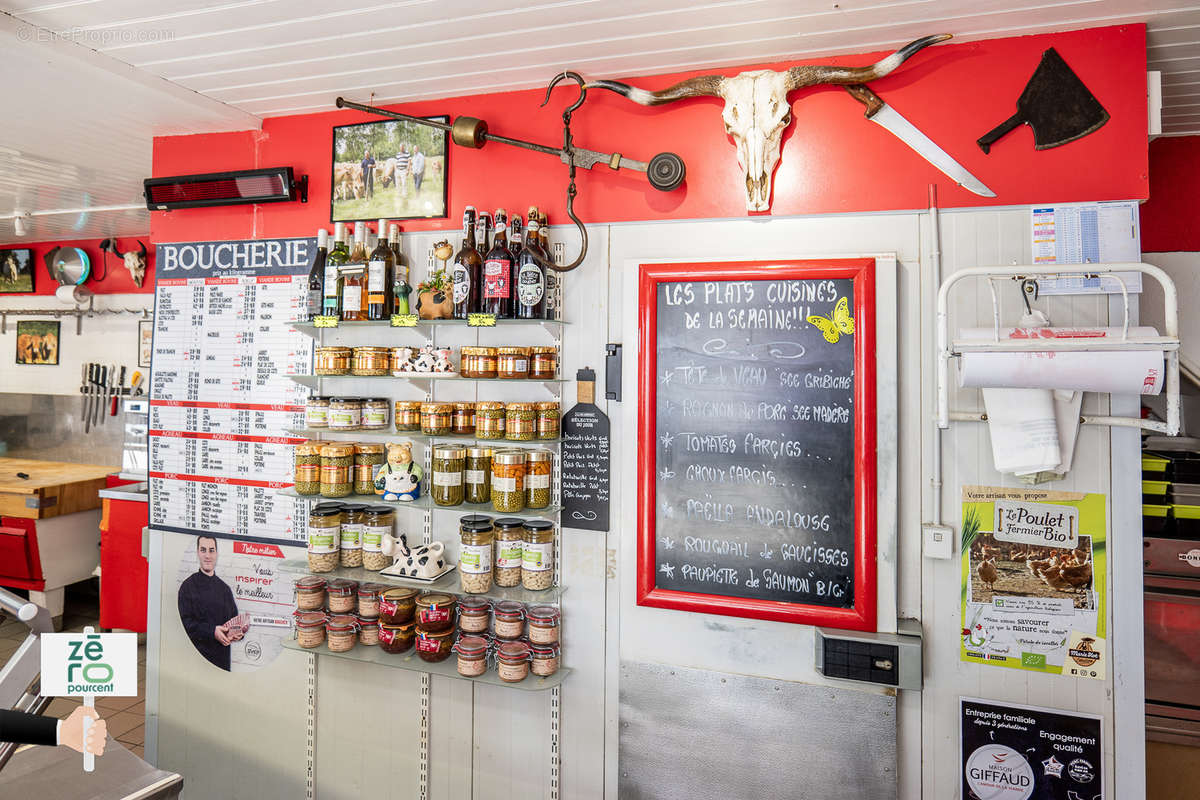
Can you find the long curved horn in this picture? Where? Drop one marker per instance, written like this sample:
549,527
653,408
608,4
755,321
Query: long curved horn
143,247
813,75
699,86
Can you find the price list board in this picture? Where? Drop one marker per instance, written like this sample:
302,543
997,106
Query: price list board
221,401
756,447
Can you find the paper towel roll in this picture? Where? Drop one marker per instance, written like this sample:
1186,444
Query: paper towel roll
66,294
1118,371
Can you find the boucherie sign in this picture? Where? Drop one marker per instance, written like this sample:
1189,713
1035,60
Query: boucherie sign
198,258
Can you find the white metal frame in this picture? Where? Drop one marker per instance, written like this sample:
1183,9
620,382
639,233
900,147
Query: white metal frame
1169,342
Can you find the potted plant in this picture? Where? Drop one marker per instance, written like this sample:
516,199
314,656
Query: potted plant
435,299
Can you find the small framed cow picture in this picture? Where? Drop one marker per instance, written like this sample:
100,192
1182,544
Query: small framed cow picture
394,170
37,342
16,271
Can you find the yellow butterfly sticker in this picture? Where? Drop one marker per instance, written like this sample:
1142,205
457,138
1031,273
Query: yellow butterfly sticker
836,324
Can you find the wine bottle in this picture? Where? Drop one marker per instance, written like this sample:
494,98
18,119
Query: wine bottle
316,277
337,258
380,267
401,288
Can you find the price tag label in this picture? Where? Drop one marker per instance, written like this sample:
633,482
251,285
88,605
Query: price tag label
325,322
404,320
478,320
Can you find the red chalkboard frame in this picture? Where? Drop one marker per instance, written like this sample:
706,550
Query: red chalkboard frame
862,615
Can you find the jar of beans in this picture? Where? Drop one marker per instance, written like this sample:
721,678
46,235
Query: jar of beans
310,628
316,412
512,661
396,638
367,458
368,630
307,474
324,538
408,415
475,557
549,420
473,614
448,464
368,599
436,418
537,555
462,421
544,659
337,461
341,632
345,414
472,655
539,465
343,596
520,423
351,538
542,624
374,414
512,362
477,476
490,418
508,619
477,362
508,480
508,533
543,363
310,593
332,361
378,521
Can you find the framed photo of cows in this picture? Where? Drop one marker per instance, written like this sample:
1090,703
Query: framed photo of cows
37,342
393,169
16,271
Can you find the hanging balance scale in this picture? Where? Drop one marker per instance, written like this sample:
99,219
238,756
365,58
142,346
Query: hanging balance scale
665,171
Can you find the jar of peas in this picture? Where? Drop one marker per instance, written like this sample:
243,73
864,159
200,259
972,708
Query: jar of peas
477,477
508,480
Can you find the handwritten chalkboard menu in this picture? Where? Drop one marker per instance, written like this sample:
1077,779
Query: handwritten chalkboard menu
751,453
585,461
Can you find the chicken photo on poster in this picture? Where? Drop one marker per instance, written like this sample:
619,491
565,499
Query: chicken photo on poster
234,604
1033,573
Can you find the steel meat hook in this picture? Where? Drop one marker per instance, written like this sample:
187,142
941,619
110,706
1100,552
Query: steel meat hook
568,157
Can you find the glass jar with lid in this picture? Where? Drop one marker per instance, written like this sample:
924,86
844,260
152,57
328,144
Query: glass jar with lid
512,362
408,415
345,414
508,481
378,521
374,414
520,424
343,595
341,632
337,461
316,412
367,458
397,605
307,473
477,475
549,420
490,419
474,614
436,612
475,557
542,624
544,659
462,421
368,598
472,655
324,538
508,619
508,533
310,593
368,630
434,646
310,628
512,661
539,469
352,530
396,638
332,360
537,555
477,362
436,418
447,484
371,361
543,363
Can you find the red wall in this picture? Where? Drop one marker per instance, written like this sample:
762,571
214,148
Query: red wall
833,160
1169,217
113,277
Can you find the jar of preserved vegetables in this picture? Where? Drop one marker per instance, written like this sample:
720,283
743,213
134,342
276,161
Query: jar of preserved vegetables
374,414
307,474
345,414
332,361
549,420
337,461
512,362
508,480
520,424
539,467
316,412
436,418
408,415
378,521
490,418
477,477
462,421
477,362
367,458
371,361
475,557
537,555
508,534
352,530
543,363
449,462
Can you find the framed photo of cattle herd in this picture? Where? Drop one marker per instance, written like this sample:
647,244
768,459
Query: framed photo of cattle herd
16,270
394,169
37,342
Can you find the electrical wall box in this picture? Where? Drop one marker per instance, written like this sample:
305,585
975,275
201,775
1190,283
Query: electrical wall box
888,659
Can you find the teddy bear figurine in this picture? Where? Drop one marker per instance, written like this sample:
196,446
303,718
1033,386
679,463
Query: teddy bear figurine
399,478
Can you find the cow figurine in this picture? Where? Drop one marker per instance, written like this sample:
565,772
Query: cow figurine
134,262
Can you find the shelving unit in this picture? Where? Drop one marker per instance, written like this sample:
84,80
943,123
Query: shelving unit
425,327
426,381
425,503
447,669
389,435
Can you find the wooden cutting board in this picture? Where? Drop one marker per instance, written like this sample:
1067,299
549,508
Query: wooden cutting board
52,489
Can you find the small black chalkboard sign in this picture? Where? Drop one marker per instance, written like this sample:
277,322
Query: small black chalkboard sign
585,460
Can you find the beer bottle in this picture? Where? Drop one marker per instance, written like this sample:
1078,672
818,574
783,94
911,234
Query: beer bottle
531,276
379,278
497,272
467,271
514,238
316,277
331,305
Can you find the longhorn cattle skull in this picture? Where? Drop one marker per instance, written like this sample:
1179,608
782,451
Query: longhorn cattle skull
757,109
134,262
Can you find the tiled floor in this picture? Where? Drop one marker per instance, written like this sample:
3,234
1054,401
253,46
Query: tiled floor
126,716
